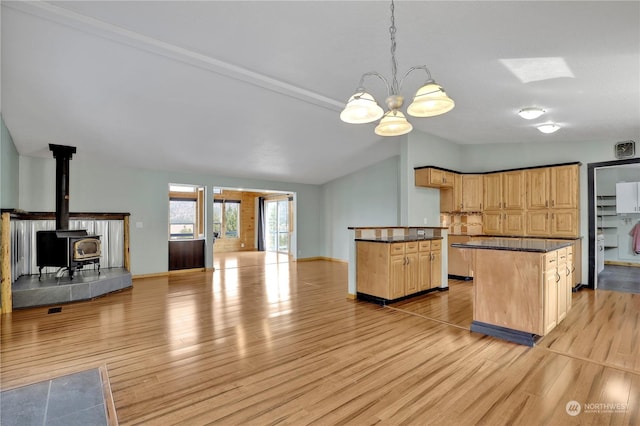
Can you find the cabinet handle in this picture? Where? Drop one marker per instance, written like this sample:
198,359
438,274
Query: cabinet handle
553,203
558,275
546,204
568,271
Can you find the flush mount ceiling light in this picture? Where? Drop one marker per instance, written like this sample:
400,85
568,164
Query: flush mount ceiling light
430,100
548,128
531,113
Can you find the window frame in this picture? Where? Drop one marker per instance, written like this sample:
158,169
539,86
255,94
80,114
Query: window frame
223,214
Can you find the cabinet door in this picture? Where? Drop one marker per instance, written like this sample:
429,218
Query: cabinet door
537,181
513,223
472,193
491,222
451,198
411,274
447,179
564,187
550,300
627,197
513,190
424,270
397,277
564,223
493,191
458,259
561,304
538,223
436,269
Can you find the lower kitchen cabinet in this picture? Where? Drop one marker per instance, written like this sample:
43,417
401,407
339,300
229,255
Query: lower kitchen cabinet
391,271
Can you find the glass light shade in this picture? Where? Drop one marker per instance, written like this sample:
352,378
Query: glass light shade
430,100
548,128
531,113
361,108
393,123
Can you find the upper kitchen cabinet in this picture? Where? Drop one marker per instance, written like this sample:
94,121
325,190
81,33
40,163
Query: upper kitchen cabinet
564,187
504,191
628,197
464,196
538,188
472,193
432,177
552,187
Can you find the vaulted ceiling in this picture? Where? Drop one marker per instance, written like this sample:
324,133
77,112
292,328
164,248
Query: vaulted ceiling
254,89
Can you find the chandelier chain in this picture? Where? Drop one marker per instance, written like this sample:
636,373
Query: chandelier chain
394,63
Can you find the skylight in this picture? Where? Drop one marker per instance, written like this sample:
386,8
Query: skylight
528,70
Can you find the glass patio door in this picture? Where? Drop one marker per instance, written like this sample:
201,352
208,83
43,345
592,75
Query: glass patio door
277,232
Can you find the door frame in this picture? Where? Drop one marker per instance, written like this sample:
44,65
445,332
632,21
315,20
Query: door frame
591,173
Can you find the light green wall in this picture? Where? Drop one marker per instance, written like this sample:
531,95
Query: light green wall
143,193
9,169
420,149
368,197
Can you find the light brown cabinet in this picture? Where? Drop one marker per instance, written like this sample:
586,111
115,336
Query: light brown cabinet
459,260
465,195
552,201
434,178
537,298
391,271
564,187
557,288
472,193
504,212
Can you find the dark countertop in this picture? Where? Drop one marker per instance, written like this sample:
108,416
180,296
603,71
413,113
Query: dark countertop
401,239
524,244
513,236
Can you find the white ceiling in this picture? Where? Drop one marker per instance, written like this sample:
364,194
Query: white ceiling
254,89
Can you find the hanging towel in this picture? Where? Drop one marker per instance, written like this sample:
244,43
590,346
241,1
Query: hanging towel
635,238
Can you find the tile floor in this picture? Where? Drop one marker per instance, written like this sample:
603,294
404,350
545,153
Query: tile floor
619,278
76,399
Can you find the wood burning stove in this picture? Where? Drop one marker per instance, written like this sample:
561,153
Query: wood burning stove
65,248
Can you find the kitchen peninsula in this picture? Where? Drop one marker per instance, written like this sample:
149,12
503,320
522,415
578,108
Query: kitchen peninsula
388,264
521,287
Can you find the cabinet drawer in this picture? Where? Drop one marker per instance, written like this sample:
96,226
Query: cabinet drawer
436,245
411,247
397,248
551,260
425,245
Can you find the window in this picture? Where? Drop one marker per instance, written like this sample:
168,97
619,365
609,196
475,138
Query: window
186,212
182,219
226,218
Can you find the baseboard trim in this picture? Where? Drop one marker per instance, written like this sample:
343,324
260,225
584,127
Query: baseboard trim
328,259
617,263
169,273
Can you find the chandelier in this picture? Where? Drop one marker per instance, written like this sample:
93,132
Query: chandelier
430,100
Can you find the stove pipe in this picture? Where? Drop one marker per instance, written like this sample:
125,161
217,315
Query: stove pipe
62,154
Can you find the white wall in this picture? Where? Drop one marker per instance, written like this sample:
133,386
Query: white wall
143,193
368,197
9,169
420,149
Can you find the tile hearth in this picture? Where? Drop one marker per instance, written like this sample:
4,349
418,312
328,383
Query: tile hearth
87,284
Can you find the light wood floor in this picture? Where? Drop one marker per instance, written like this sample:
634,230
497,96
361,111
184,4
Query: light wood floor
280,343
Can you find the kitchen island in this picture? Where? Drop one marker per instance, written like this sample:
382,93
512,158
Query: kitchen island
391,263
521,287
